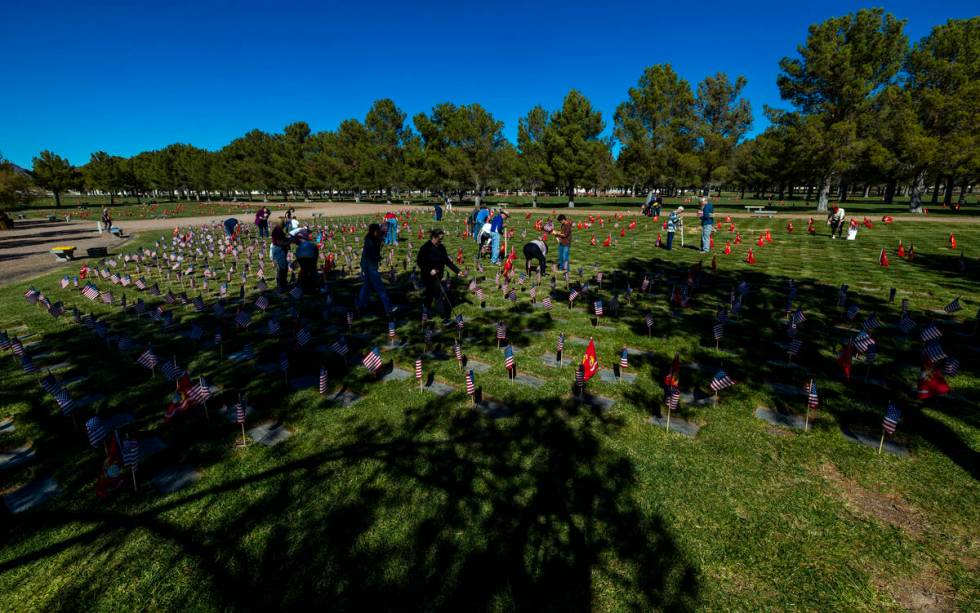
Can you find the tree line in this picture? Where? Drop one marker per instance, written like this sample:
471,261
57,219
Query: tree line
866,110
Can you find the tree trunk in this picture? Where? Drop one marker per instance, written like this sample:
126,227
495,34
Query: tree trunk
534,198
890,191
57,198
915,192
962,198
948,194
867,190
741,194
824,194
844,187
571,197
935,191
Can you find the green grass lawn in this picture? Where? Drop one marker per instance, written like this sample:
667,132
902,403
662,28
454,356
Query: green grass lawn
131,210
405,500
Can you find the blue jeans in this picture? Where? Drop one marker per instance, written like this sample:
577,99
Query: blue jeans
563,257
391,236
705,237
495,247
372,281
670,240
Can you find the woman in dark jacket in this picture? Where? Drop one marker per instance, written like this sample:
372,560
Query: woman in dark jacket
432,261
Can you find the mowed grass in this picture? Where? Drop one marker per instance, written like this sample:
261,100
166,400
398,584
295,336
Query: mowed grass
406,500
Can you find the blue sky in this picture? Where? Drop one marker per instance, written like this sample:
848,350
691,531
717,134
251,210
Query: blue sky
130,76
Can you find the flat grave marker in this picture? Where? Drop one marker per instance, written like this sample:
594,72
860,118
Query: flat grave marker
170,480
439,389
786,420
609,376
681,426
16,457
270,434
31,495
873,441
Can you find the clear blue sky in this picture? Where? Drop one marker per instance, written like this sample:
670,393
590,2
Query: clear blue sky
129,76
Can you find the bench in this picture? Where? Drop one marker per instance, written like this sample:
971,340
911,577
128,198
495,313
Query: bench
753,207
763,213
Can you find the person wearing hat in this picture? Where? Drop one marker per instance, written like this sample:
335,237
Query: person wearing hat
432,261
496,231
673,222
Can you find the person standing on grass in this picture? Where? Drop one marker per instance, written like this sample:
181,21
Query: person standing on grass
496,232
278,252
307,254
370,261
479,219
707,223
673,222
564,235
262,221
536,250
106,219
836,221
391,234
432,261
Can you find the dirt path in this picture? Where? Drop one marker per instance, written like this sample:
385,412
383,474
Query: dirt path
25,251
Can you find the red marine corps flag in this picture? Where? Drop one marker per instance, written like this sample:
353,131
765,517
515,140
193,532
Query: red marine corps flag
590,363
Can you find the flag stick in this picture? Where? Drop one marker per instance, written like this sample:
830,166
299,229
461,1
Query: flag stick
882,443
133,471
668,418
244,441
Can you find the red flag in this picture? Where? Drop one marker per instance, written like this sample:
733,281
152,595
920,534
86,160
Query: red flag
750,258
673,378
844,359
728,248
590,362
593,241
658,239
768,236
738,238
952,241
932,383
789,226
883,258
901,249
887,219
608,241
622,233
111,477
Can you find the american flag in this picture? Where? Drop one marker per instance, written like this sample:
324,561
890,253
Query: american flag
645,284
140,284
283,361
4,340
154,290
673,398
951,366
479,295
598,308
953,306
169,297
580,376
350,318
933,352
56,310
872,322
718,331
171,372
148,359
106,297
863,341
391,329
648,319
722,315
90,291
296,293
199,392
304,336
240,412
546,303
372,361
458,352
459,321
49,384
243,319
512,295
509,357
533,293
721,381
418,368
96,431
262,303
907,324
892,416
470,384
852,311
63,398
812,399
561,342
65,282
198,304
340,347
624,358
572,295
501,331
131,453
323,381
27,364
798,316
31,295
794,347
930,333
